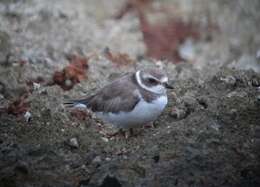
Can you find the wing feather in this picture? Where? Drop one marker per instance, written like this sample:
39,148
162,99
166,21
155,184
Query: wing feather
118,96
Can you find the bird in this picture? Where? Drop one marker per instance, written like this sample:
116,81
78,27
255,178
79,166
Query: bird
133,100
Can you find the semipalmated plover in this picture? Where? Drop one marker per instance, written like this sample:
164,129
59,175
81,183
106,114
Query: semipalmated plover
133,100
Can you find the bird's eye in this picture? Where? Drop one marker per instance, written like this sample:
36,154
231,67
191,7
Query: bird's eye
151,80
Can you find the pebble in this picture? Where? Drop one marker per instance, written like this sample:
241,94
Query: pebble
178,113
36,86
105,139
229,80
68,82
28,116
237,94
73,143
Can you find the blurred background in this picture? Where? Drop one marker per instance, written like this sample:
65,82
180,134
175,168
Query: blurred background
207,34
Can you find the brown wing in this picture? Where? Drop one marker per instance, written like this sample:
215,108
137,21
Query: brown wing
118,96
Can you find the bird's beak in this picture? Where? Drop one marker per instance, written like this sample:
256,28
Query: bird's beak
166,85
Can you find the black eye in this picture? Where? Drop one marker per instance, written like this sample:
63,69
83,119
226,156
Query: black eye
153,81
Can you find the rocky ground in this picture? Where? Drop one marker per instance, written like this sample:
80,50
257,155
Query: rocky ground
50,51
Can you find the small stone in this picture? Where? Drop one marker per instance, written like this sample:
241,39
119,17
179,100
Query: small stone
27,116
237,94
36,86
68,82
73,143
178,113
229,80
190,102
105,139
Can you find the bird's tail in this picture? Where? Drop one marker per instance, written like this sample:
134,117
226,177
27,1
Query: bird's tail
76,103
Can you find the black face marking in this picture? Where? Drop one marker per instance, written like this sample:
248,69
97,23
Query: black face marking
152,81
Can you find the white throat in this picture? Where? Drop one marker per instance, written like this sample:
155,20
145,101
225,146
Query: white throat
159,89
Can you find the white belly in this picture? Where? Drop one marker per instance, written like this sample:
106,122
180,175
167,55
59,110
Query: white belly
142,114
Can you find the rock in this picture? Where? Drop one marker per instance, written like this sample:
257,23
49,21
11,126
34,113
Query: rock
178,113
190,104
28,116
230,80
189,101
36,86
73,143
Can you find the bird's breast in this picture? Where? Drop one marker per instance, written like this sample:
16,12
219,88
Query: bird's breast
144,112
